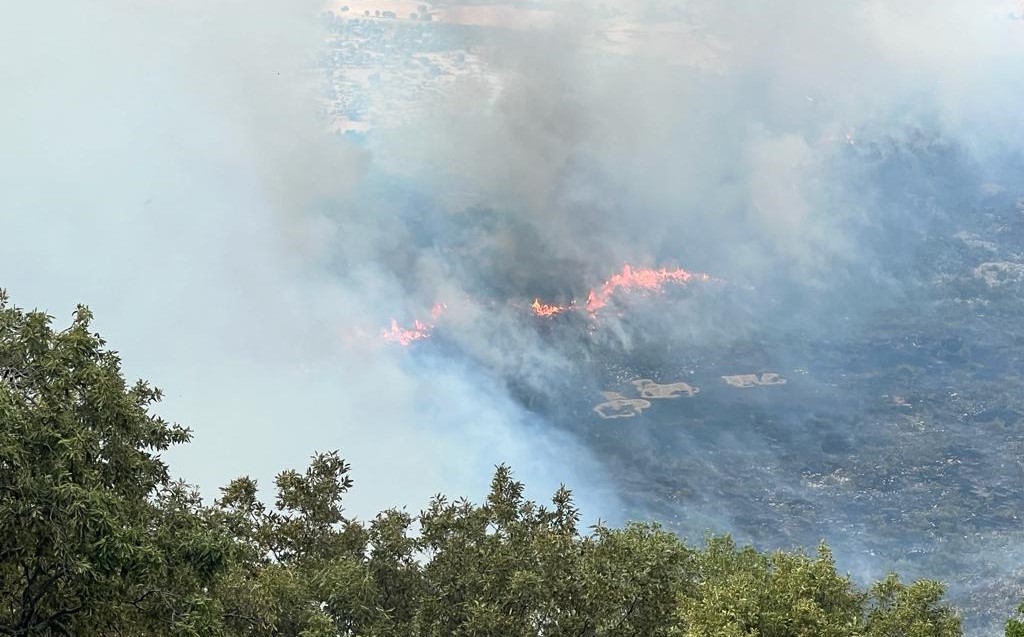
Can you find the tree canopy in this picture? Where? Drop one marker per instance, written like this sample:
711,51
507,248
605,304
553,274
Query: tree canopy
97,539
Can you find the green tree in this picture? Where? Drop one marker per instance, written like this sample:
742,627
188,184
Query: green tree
914,610
633,579
512,568
482,563
742,592
302,568
87,512
1015,625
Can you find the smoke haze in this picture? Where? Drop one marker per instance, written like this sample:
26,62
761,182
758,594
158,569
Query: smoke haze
169,164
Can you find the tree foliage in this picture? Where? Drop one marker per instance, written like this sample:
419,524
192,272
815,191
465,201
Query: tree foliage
1015,625
95,538
85,501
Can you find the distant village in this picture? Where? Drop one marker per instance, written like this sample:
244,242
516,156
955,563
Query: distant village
422,13
378,68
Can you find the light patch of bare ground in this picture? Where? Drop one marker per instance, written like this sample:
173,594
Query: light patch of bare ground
618,406
753,380
999,273
650,389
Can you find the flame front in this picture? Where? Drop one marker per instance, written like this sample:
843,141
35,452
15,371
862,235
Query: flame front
629,280
647,280
542,309
406,335
419,330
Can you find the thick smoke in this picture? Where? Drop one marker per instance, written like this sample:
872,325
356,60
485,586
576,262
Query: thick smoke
728,152
166,164
736,139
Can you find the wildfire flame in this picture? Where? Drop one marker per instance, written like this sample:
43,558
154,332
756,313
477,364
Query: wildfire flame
629,280
419,330
647,280
542,309
406,335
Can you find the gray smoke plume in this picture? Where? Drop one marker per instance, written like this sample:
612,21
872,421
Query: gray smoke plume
166,164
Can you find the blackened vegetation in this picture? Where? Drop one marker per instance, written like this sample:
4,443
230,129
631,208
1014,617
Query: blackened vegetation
899,435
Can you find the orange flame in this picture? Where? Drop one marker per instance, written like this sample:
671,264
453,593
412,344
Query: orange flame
542,309
417,332
647,280
629,280
406,336
643,279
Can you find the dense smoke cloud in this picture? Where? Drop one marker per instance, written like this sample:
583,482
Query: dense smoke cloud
728,155
166,165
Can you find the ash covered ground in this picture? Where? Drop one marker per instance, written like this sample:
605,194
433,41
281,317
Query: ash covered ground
898,436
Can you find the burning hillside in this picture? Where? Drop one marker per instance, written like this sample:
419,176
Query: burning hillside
629,280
